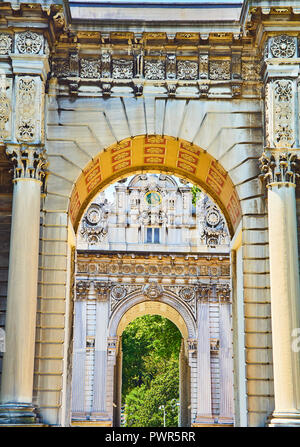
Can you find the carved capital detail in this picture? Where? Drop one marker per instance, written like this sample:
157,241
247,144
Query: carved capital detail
223,292
29,162
82,289
280,166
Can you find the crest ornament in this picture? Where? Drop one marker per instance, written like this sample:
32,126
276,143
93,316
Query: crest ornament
153,290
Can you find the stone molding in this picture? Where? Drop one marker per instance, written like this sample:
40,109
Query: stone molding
280,166
30,162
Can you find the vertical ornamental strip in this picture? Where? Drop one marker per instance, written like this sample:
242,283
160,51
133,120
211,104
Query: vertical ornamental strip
279,165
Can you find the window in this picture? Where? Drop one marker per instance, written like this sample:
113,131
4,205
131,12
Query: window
152,236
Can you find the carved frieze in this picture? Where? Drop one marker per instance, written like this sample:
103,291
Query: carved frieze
251,71
122,69
29,42
90,68
154,69
5,43
219,70
187,69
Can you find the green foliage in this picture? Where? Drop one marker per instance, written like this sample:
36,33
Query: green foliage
196,191
151,347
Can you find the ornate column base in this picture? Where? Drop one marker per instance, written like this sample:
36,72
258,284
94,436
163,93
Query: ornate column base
18,414
284,420
203,421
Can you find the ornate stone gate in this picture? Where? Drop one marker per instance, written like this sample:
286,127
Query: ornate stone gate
190,290
75,88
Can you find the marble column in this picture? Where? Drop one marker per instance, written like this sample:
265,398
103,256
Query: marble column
18,362
280,171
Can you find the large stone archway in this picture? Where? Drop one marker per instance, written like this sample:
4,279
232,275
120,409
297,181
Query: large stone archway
230,94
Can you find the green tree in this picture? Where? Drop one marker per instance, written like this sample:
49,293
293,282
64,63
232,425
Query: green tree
151,346
196,191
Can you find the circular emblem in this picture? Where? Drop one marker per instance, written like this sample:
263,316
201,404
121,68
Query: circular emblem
153,198
187,293
93,215
118,292
213,218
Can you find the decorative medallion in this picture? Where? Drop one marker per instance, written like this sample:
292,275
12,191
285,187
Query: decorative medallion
187,293
153,290
118,292
283,46
153,198
29,42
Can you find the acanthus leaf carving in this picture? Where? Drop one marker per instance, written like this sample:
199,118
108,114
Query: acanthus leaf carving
29,161
280,166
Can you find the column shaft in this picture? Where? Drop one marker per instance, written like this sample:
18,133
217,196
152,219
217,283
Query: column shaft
285,297
18,362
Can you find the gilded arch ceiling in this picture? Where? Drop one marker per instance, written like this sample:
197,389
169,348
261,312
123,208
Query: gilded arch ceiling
156,154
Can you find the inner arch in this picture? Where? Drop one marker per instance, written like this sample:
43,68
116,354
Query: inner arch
153,308
156,154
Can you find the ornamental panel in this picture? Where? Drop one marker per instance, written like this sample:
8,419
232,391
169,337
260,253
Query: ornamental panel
29,42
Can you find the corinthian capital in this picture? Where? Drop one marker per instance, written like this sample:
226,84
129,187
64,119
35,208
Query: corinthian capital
278,166
29,162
